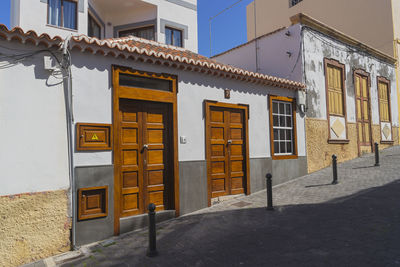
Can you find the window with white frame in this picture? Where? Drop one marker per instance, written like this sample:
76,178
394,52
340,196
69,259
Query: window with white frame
283,130
62,13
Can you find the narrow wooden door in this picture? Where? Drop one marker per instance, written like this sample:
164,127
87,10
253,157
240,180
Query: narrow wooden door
227,151
363,114
141,156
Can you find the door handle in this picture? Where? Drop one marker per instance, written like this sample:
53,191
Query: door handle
146,146
229,142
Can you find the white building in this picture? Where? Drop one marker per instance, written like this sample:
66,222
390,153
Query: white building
95,130
166,21
351,87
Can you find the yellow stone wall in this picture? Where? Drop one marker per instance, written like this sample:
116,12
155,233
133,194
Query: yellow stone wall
33,226
376,135
319,152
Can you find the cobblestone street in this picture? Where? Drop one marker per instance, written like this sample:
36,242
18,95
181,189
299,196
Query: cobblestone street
353,223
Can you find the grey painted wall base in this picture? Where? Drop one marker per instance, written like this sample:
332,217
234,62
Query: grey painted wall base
132,223
281,170
288,169
89,231
192,186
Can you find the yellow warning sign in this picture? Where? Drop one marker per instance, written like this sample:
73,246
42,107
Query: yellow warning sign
94,137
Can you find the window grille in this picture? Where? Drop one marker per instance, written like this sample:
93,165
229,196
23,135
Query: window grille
294,2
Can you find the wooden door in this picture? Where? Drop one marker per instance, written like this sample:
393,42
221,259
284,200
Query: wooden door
363,114
227,156
141,156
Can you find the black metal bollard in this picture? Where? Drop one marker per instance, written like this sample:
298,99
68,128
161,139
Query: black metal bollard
376,154
152,251
269,192
334,169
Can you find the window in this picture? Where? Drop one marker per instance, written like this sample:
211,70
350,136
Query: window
62,13
384,99
94,29
334,85
173,37
283,127
294,2
144,32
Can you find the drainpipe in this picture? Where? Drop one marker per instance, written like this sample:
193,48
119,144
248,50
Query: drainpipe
66,66
396,42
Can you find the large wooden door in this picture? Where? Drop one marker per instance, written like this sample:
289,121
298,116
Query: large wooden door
142,156
363,114
227,151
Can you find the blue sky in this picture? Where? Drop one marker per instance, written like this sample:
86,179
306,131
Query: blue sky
228,29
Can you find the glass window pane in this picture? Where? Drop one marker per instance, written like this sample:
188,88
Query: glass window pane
144,82
145,33
281,134
282,121
276,136
288,121
281,108
168,36
288,109
274,107
289,147
69,14
289,135
94,29
177,38
283,147
276,147
276,120
54,17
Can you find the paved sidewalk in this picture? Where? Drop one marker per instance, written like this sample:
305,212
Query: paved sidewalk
353,223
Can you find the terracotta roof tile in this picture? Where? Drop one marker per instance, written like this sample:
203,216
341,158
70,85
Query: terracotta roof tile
136,48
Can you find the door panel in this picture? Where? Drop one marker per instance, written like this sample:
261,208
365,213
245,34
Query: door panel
363,114
143,148
227,162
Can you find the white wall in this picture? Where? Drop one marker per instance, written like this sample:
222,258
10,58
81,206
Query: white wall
93,103
33,136
33,16
273,58
317,47
181,15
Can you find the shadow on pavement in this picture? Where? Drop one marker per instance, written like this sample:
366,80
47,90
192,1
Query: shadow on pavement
358,230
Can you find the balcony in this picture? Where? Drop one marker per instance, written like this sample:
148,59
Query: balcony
117,18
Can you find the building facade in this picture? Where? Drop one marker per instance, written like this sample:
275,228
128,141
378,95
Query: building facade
374,23
171,22
95,130
351,99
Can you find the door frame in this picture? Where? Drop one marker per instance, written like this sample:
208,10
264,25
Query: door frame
363,74
143,95
245,108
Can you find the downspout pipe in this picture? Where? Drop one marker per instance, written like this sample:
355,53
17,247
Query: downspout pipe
66,67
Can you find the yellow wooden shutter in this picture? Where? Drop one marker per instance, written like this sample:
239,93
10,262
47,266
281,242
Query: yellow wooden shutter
335,91
383,102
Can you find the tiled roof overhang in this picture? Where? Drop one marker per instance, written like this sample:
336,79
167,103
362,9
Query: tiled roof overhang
150,52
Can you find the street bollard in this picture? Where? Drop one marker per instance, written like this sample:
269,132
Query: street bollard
376,154
152,251
269,192
334,169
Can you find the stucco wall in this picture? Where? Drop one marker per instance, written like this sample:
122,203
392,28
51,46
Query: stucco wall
357,18
278,54
317,47
33,226
32,15
33,124
92,80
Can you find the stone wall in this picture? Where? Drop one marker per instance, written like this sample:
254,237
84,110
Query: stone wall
33,226
319,152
